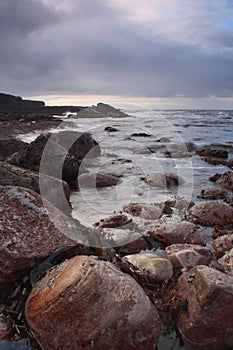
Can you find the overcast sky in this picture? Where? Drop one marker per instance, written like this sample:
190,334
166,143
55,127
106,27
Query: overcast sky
172,49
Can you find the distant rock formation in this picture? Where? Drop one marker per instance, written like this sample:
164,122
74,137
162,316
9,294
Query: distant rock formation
101,110
15,104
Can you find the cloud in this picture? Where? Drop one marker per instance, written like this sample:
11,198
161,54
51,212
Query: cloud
134,47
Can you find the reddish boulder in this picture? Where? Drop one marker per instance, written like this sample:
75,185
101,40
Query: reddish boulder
214,161
8,146
54,190
115,221
171,231
223,244
86,303
97,180
144,210
186,256
230,163
29,232
226,262
205,319
212,213
213,193
163,180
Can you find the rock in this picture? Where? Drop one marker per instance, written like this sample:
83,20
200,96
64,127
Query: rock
185,256
163,180
214,161
208,152
97,180
11,103
134,247
5,326
140,134
114,221
223,244
213,193
172,231
29,232
212,213
176,154
144,210
178,204
102,110
8,146
86,303
154,267
110,129
225,180
54,190
205,319
226,261
230,163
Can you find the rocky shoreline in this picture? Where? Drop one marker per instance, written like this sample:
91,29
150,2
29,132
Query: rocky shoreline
64,285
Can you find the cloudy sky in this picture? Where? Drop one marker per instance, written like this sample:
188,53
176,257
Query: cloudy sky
169,53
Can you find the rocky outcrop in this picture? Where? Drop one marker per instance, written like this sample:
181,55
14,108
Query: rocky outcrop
185,256
222,244
213,193
172,231
224,180
216,153
86,303
15,104
154,267
54,190
212,213
29,232
205,319
100,111
163,180
8,146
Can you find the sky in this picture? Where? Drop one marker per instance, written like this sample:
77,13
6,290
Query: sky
160,53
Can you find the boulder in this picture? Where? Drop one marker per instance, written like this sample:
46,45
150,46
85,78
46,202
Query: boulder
110,129
205,319
213,193
185,256
154,267
10,145
86,303
29,231
163,180
115,221
172,231
144,210
97,180
212,213
222,244
54,190
226,261
230,163
215,160
224,180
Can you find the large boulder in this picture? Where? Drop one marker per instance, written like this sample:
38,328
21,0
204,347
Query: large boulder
171,231
226,261
212,213
154,267
186,256
213,193
216,153
10,145
29,232
86,303
224,180
54,190
222,244
205,320
166,180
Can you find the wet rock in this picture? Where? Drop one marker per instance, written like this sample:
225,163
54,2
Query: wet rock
97,180
212,213
114,221
144,210
163,180
29,232
185,256
230,163
8,146
225,180
172,231
223,244
54,190
86,303
176,154
5,326
177,204
213,193
154,267
226,261
110,129
134,247
214,161
207,320
140,134
208,152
